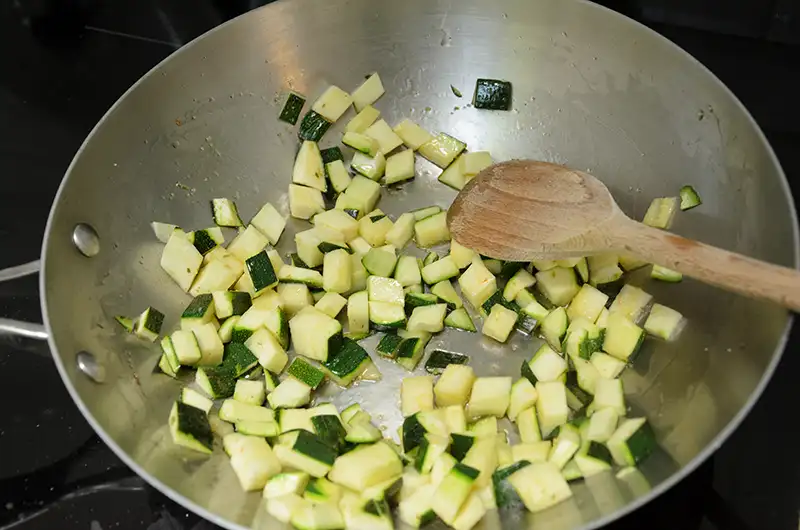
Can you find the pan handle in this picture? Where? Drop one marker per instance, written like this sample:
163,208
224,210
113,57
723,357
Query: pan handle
18,328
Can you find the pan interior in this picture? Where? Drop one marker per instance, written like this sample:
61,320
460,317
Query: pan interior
592,90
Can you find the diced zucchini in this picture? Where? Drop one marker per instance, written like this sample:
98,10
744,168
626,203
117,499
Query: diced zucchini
432,230
387,347
477,284
361,195
372,167
410,351
540,486
332,103
603,269
261,272
399,167
439,271
163,231
338,176
206,240
235,411
429,318
148,324
565,445
454,385
533,452
424,213
453,492
361,142
551,406
607,366
337,271
292,420
313,127
460,319
460,445
269,222
558,284
483,457
608,394
486,426
181,260
430,257
602,424
187,351
665,275
268,350
528,425
661,212
495,266
631,302
271,381
225,213
523,396
310,277
126,323
308,167
251,392
412,134
363,119
366,466
554,327
368,92
331,304
439,360
330,430
358,313
305,202
442,149
290,393
460,254
285,483
632,442
196,399
238,359
306,452
689,198
282,507
474,162
306,373
292,108
587,303
211,347
490,397
315,334
378,262
216,275
385,290
492,94
545,365
664,322
230,303
521,280
445,292
430,449
630,263
499,323
416,394
455,418
189,428
596,458
407,272
387,139
348,363
505,495
623,338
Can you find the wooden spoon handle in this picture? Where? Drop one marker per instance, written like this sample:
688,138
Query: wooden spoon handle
712,265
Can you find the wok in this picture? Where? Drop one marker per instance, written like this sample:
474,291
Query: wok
592,90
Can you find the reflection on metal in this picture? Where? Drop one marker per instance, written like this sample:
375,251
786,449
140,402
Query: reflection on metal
90,366
86,240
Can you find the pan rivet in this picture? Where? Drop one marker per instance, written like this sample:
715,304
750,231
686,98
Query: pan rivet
86,240
90,367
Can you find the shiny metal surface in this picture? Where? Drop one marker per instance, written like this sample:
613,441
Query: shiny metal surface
86,240
592,90
87,363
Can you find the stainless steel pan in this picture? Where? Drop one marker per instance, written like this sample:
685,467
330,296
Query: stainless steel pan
592,90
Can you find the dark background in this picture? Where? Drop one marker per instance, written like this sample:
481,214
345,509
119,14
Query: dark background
65,62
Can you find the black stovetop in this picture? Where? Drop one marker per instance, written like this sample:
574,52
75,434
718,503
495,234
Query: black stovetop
66,61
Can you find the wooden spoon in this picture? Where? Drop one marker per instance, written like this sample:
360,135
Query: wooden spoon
524,210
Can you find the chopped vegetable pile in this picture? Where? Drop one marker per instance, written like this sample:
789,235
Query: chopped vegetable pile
262,335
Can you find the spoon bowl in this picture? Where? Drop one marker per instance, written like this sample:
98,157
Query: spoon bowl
525,210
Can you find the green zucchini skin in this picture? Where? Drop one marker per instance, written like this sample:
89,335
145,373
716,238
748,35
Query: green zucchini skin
292,108
492,94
